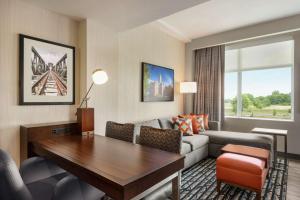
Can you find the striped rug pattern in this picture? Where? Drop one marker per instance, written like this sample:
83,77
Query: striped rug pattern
199,182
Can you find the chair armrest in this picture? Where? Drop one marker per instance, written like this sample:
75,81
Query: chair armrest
214,125
71,188
38,168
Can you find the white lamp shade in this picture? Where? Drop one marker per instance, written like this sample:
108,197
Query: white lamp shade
188,87
99,77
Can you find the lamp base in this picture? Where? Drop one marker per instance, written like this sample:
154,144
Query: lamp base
85,119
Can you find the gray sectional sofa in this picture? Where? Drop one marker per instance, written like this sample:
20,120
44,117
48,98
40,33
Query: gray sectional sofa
197,147
209,143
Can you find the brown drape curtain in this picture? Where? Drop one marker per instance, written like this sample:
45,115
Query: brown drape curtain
209,75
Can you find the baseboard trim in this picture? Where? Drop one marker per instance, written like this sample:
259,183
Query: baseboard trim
289,155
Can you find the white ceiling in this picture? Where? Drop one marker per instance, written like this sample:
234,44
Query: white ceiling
117,14
217,16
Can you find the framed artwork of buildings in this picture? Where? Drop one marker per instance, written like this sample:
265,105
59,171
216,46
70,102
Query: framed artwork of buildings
157,83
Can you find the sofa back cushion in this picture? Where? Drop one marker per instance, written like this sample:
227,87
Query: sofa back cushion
137,127
166,123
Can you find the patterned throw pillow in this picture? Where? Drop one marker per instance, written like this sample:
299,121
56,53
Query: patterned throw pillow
184,125
205,118
197,123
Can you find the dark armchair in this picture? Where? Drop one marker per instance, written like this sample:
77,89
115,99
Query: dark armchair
118,131
164,139
41,179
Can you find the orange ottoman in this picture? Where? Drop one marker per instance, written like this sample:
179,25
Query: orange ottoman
242,171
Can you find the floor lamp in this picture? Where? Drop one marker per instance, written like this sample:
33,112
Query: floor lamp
85,115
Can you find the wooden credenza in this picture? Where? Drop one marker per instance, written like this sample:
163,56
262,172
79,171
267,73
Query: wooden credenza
34,132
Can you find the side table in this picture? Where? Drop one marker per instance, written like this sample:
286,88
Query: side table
274,133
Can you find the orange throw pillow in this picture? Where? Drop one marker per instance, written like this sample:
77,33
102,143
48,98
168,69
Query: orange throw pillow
205,118
184,116
184,125
197,122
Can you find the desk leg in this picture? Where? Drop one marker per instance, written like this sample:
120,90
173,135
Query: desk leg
285,151
275,151
175,188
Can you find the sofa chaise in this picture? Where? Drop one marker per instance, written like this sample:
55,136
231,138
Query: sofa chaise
197,147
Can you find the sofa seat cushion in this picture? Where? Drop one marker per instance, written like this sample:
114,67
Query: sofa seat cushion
196,141
248,139
185,148
137,127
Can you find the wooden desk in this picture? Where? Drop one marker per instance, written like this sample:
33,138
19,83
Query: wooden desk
122,170
30,133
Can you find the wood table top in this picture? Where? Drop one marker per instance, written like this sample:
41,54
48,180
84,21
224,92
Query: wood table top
247,151
121,164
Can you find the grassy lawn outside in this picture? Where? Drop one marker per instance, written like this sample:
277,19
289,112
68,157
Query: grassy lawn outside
273,112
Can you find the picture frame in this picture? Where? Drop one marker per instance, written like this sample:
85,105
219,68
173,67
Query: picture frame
46,72
157,83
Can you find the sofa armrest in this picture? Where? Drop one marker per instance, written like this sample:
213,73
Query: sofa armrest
214,125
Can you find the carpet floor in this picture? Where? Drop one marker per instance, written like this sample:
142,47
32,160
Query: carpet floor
199,182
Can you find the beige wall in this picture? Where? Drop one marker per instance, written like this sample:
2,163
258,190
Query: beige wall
269,28
96,47
121,54
147,44
18,17
102,52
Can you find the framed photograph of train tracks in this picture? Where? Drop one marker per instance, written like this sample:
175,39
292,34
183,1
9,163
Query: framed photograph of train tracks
47,72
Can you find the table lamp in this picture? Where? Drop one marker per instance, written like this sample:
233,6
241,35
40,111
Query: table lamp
188,87
85,116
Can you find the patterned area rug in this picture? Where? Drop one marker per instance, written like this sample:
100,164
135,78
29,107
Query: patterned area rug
199,182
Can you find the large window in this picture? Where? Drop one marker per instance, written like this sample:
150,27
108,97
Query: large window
258,80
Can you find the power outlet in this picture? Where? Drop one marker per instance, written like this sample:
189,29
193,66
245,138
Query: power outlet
61,131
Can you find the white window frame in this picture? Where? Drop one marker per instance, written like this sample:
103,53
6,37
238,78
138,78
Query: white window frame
239,90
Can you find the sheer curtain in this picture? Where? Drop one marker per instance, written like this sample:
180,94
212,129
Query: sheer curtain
209,75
